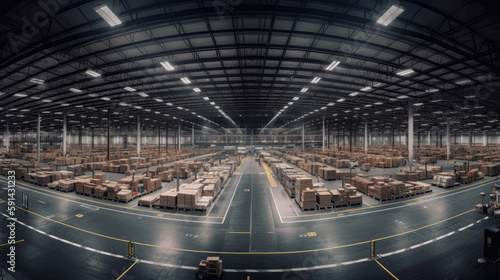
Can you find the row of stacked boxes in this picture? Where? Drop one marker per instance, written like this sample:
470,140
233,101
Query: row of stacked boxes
383,188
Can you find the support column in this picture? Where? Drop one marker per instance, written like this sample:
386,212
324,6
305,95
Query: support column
470,140
92,140
38,138
166,137
192,136
323,142
485,140
350,135
303,137
7,140
338,135
159,140
80,137
328,136
418,138
393,138
138,135
366,136
65,131
429,138
179,136
437,138
448,139
109,124
410,132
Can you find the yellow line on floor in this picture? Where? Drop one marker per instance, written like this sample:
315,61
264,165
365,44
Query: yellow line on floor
12,243
112,205
386,270
269,175
394,203
126,270
241,253
238,167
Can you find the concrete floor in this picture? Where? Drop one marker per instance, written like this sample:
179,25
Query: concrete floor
257,232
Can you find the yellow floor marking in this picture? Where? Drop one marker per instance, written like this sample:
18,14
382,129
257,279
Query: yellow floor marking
126,271
269,175
386,269
248,277
238,167
247,190
12,243
394,203
240,232
240,253
4,188
112,205
78,215
311,234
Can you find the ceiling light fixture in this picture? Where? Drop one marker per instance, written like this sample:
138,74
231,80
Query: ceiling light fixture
295,98
105,12
92,73
366,88
315,80
353,93
37,81
143,94
197,89
167,66
341,100
185,80
20,95
304,89
129,89
405,72
332,65
391,14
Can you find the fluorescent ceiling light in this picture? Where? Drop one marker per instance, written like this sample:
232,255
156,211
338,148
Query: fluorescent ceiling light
332,65
37,81
143,94
323,108
170,104
105,12
158,100
167,66
212,103
13,109
418,104
185,80
377,84
57,113
416,115
432,90
290,103
461,82
25,110
217,107
436,100
353,93
206,98
129,89
156,112
92,73
378,103
304,89
92,94
330,104
180,108
47,100
197,89
295,98
366,88
315,80
79,106
123,104
65,104
341,100
106,98
75,90
368,105
469,96
147,110
402,97
391,14
138,107
405,72
46,112
20,95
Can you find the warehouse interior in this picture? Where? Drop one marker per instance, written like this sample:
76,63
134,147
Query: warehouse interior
264,139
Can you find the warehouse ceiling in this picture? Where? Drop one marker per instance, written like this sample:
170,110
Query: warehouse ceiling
250,64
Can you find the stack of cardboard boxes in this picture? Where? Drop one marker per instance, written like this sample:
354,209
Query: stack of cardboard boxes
209,269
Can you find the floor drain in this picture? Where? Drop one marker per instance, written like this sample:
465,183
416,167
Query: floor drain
481,260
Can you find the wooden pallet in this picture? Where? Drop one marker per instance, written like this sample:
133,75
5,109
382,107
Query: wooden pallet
324,207
355,204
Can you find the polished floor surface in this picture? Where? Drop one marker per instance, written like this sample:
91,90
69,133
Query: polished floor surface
257,231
